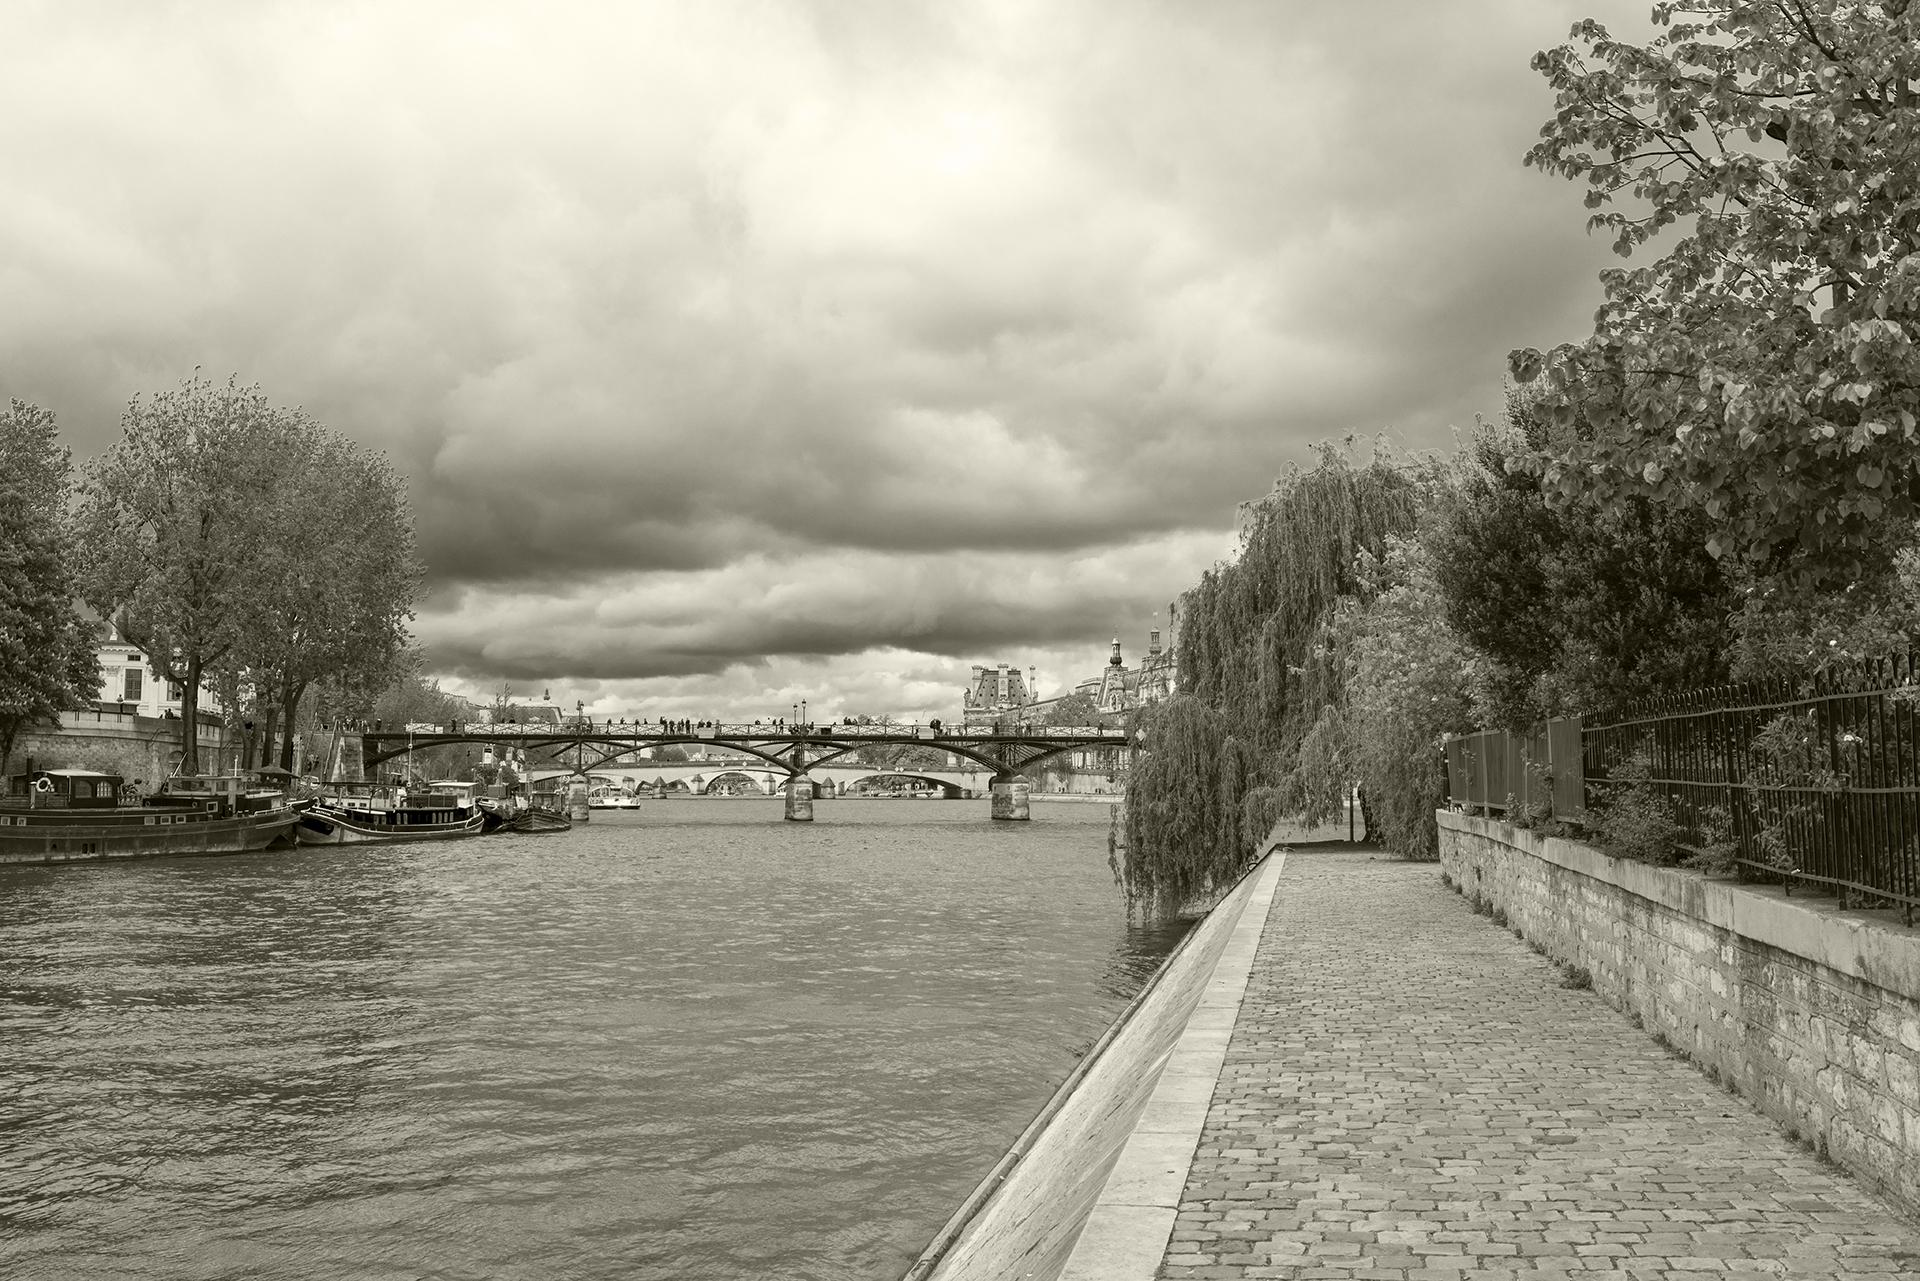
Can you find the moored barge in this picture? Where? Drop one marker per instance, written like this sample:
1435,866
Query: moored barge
74,815
356,814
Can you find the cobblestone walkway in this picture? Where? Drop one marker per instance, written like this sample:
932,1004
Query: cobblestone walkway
1410,1094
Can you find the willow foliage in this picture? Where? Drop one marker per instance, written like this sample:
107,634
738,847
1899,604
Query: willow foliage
1261,674
1246,630
1410,677
1186,841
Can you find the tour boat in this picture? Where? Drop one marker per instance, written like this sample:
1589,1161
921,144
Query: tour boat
358,813
612,798
67,815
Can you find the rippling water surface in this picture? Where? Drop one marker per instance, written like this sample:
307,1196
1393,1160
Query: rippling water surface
690,1042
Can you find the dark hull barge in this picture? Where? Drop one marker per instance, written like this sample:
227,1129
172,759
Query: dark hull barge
63,816
365,815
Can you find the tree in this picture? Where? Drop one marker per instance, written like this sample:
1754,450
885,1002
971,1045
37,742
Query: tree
1408,674
47,659
335,579
1254,649
1248,627
246,544
174,520
1187,838
1573,607
1763,371
1073,710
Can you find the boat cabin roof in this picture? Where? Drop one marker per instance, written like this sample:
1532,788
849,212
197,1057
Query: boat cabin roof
211,784
67,776
66,782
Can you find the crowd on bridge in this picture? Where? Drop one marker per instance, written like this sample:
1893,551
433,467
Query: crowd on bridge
848,727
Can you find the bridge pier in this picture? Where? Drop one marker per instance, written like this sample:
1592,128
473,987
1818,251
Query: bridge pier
1011,799
799,800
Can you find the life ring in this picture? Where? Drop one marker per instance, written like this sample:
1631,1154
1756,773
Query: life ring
43,784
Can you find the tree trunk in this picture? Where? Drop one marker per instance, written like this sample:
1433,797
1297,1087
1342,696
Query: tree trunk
9,732
190,719
268,725
290,696
1366,814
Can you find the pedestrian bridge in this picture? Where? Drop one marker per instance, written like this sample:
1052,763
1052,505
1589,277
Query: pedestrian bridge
703,778
804,760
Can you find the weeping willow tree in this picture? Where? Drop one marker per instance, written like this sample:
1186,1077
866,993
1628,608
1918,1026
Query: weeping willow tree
1248,630
1261,674
1186,838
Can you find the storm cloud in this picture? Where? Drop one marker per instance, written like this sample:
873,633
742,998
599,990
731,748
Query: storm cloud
744,351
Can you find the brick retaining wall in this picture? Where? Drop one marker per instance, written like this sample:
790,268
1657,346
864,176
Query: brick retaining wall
1811,1012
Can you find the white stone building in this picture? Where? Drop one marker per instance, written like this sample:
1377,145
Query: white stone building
127,680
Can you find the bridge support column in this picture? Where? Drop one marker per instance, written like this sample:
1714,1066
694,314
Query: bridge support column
1010,799
799,800
350,765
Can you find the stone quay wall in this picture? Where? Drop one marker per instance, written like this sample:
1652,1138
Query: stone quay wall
114,742
1025,1219
1811,1013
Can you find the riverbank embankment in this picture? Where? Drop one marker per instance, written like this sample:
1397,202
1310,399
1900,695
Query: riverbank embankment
1101,1167
1391,1084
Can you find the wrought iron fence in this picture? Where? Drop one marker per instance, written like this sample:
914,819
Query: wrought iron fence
1815,781
1801,782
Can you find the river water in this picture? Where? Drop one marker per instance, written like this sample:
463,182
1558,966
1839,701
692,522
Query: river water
693,1041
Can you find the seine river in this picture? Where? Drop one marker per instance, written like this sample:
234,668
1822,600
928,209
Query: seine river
690,1042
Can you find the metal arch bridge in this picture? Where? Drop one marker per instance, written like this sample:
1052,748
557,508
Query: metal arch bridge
1004,750
701,777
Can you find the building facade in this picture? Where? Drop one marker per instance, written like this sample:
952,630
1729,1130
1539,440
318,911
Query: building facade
127,680
1116,688
997,693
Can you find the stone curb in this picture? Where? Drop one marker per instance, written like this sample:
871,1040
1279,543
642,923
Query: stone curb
1125,1237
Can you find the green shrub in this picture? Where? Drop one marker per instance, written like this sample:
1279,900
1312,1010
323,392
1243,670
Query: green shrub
1637,820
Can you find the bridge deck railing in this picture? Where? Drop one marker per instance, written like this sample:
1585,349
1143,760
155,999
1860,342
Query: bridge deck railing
771,733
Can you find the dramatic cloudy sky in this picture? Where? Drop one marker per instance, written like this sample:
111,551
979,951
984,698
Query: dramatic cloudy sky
746,352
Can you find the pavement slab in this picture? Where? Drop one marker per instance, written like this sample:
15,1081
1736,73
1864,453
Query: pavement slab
1411,1094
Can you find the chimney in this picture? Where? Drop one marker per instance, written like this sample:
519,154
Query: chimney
1033,686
